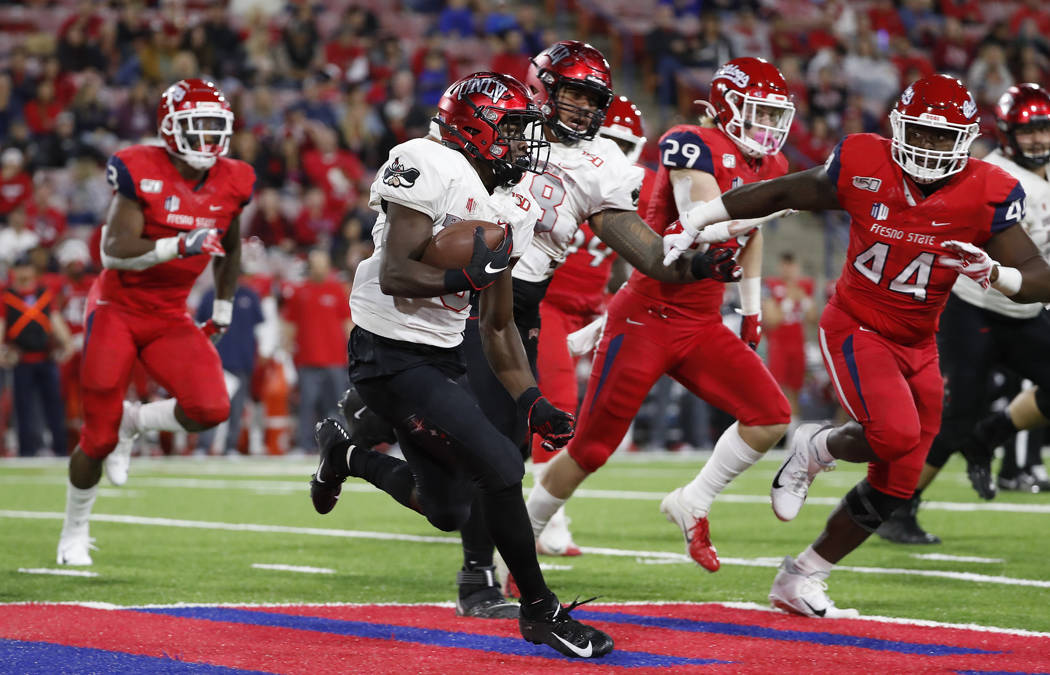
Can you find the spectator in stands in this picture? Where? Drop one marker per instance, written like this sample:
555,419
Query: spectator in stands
54,148
338,172
16,185
9,108
43,215
988,77
269,223
137,117
870,74
827,98
237,350
952,49
317,326
457,19
16,239
750,36
88,193
91,115
31,327
42,111
360,125
509,58
300,40
402,115
315,224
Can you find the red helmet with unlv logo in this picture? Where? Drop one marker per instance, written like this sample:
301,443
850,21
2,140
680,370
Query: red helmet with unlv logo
492,118
752,105
1023,107
571,64
195,121
934,123
623,123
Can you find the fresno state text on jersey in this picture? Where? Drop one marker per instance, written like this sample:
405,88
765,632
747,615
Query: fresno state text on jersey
688,146
170,205
891,281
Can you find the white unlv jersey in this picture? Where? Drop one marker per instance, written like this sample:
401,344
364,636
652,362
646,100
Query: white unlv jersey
1036,223
428,177
580,180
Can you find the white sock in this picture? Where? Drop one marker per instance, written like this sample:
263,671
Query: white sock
820,443
78,509
731,457
810,562
541,505
159,416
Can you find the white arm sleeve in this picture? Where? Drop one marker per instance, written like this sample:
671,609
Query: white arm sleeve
163,251
682,185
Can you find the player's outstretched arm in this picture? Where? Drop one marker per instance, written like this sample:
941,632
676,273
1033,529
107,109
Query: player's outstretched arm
1020,265
626,233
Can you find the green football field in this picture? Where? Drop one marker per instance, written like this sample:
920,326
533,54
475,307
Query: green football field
243,531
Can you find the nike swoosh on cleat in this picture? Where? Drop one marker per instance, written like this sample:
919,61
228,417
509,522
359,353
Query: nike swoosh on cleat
818,612
357,415
493,270
582,653
776,478
318,476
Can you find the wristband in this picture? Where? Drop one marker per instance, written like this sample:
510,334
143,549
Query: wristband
222,312
528,399
167,249
1008,282
713,211
750,289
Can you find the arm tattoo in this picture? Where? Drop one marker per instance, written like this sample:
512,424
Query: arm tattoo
627,234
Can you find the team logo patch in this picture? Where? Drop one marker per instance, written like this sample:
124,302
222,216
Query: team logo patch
734,74
471,205
171,203
736,182
150,185
398,175
486,86
969,108
635,195
879,211
729,160
907,96
867,183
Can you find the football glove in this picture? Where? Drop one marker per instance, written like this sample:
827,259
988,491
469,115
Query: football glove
221,317
751,329
677,242
716,263
969,260
486,265
201,240
556,427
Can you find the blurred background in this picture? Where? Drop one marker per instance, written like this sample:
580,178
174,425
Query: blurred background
322,91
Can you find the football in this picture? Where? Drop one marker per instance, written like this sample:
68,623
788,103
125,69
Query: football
452,247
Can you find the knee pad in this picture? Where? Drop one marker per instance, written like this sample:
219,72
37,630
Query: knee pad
1042,401
868,507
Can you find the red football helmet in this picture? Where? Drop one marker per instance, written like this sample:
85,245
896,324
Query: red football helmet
570,63
623,123
936,110
752,105
492,118
1023,107
195,121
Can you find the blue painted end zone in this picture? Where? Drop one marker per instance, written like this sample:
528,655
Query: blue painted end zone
46,658
424,636
745,630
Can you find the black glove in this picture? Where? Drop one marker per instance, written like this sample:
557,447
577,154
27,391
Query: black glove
556,427
716,263
485,265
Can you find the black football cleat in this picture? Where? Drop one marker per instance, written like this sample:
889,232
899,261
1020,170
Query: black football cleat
480,597
556,628
334,447
367,428
980,475
903,526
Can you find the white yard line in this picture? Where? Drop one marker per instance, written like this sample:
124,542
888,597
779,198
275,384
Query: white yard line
60,573
293,568
956,558
615,552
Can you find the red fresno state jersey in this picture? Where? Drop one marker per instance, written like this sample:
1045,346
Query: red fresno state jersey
891,281
790,328
74,301
579,284
170,205
687,146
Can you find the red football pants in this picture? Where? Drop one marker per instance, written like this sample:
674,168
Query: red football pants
555,366
172,349
894,391
644,340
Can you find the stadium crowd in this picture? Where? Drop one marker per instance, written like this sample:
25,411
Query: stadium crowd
322,91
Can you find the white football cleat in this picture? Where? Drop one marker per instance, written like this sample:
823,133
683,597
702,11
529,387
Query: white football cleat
556,539
804,594
118,461
75,550
695,528
791,483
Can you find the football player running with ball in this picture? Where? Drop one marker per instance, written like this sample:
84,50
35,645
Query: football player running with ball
655,327
922,212
406,356
175,207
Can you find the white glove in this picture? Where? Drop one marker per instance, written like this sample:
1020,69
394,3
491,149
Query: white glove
677,243
969,260
584,340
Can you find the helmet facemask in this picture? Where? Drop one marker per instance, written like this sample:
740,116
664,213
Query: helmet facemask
759,125
599,96
1038,153
518,144
928,163
201,134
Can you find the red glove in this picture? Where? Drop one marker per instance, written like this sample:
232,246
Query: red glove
751,329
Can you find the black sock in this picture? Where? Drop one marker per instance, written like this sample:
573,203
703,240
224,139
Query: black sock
389,474
478,548
509,527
